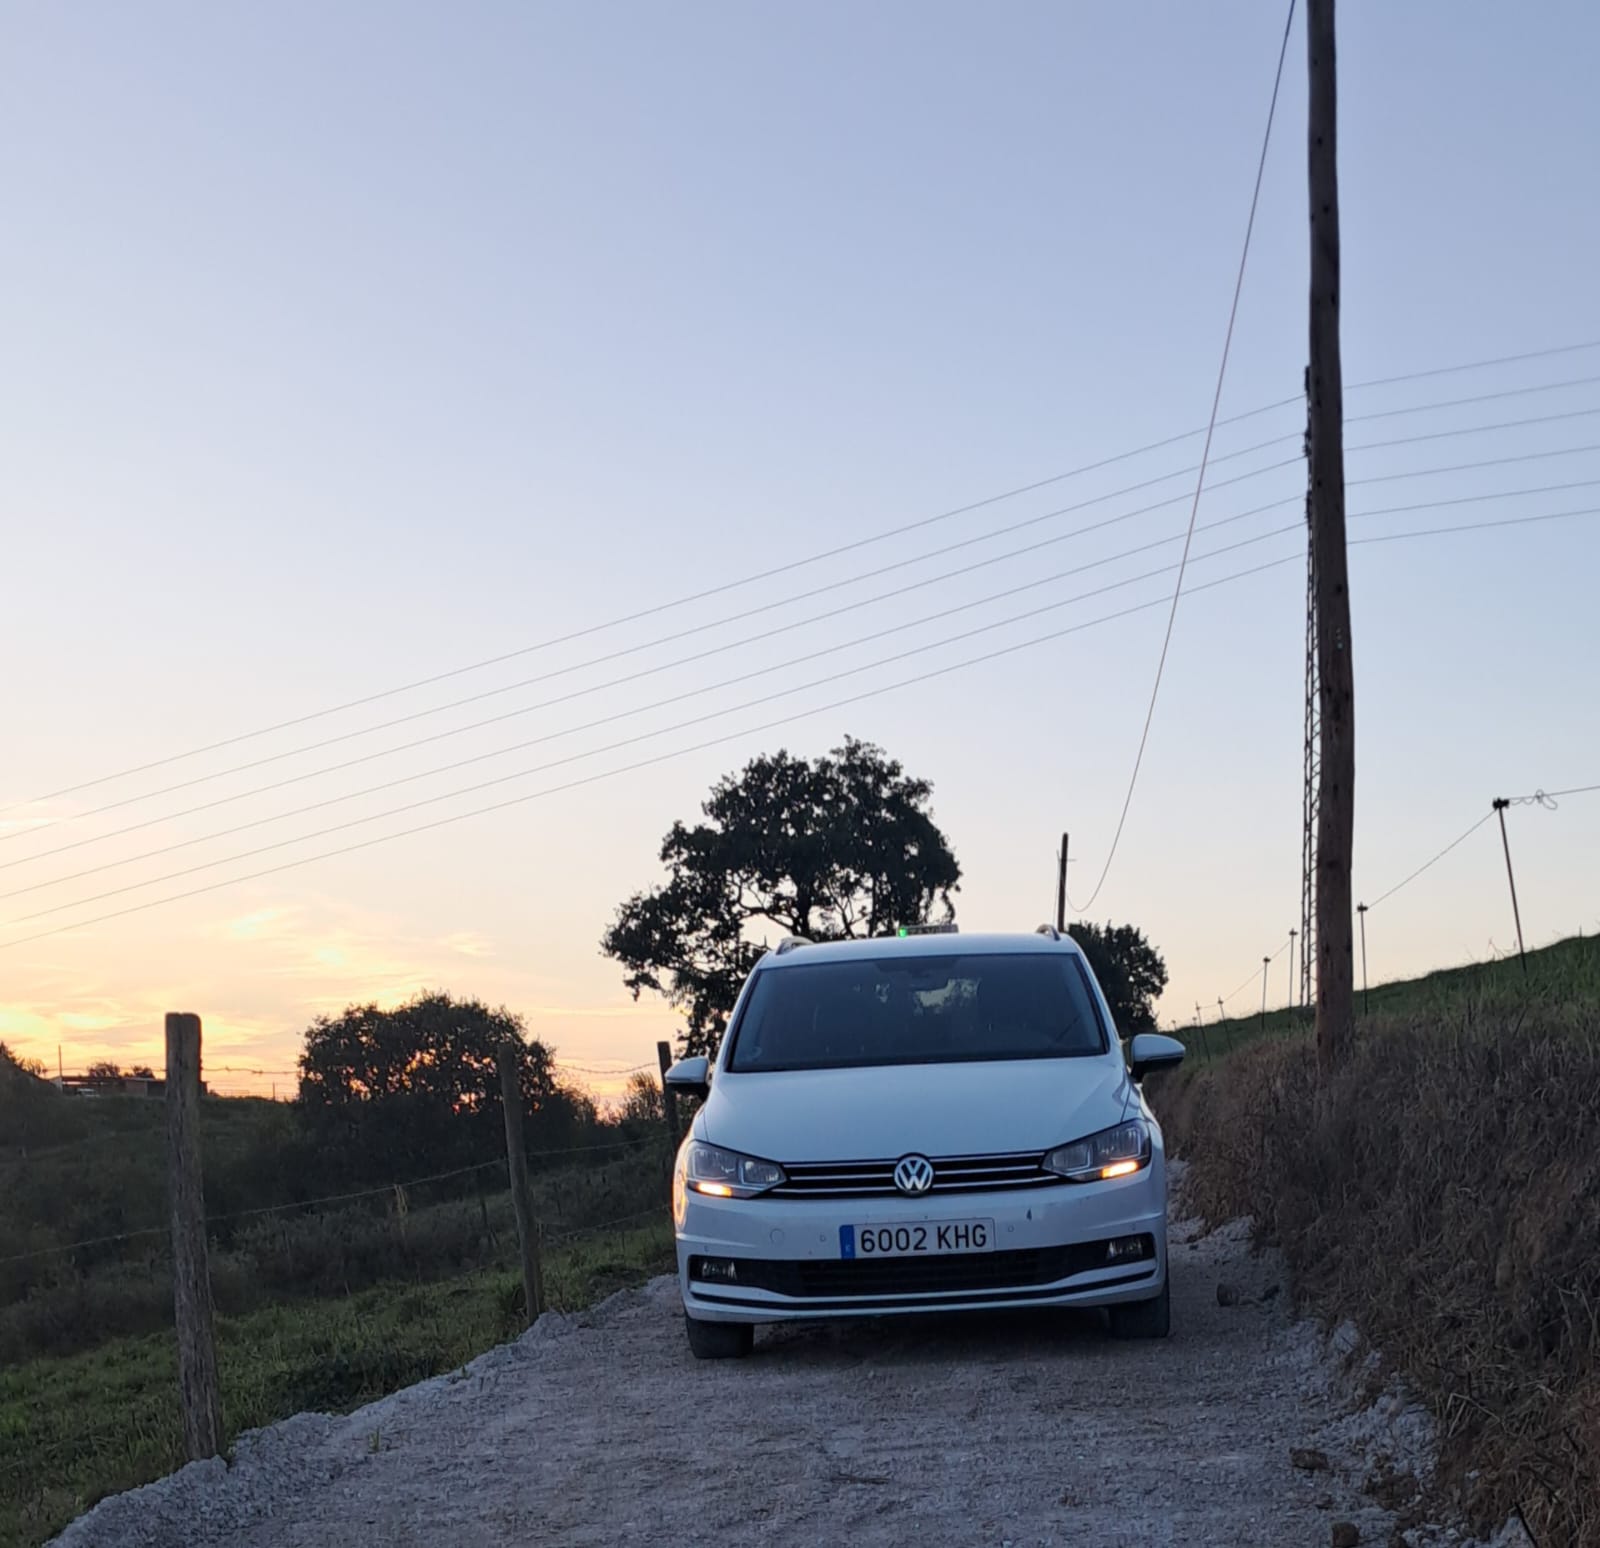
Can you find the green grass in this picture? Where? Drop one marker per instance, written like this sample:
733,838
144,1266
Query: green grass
1566,974
76,1428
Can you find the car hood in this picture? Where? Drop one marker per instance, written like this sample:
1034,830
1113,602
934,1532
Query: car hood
882,1113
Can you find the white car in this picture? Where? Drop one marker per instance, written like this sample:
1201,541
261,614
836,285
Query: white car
922,1124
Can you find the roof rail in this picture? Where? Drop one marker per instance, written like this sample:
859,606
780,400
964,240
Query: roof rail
789,943
1050,930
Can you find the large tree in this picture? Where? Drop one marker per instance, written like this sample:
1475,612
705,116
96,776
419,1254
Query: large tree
418,1084
1130,970
833,848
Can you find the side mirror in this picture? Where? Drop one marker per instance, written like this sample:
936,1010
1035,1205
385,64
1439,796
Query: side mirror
1152,1051
692,1077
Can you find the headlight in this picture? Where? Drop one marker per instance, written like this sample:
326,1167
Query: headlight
727,1175
1111,1153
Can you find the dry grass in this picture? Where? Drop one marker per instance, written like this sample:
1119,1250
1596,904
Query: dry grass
1444,1192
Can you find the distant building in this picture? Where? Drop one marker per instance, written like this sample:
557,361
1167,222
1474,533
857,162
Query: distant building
123,1085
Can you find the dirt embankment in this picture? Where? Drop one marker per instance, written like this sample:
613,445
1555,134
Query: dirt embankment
1443,1193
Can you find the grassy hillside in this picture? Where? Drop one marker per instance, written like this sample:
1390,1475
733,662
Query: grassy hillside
1443,1191
1567,973
338,1276
76,1168
83,1229
61,1303
74,1429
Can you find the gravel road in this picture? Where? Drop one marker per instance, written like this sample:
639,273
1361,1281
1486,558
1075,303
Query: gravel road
1020,1430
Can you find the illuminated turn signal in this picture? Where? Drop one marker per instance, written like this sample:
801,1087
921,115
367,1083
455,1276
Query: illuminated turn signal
719,1190
1119,1169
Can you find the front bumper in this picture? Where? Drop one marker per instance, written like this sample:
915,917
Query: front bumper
1049,1250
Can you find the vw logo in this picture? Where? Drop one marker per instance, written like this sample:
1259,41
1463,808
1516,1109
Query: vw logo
913,1175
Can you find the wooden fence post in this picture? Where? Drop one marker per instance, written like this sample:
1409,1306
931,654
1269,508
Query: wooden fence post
669,1097
198,1390
508,1058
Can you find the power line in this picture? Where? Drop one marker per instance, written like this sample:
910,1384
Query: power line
677,698
832,586
650,645
1460,839
938,615
1194,510
641,763
761,672
1475,526
1471,467
797,564
649,612
1475,365
1545,797
1255,973
1504,424
1538,797
833,677
780,693
1482,397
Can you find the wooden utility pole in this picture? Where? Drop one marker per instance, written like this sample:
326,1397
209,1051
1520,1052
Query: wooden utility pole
1500,805
1336,797
198,1390
1061,888
508,1058
1366,996
669,1097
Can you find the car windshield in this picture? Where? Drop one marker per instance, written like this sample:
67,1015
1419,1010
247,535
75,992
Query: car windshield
917,1010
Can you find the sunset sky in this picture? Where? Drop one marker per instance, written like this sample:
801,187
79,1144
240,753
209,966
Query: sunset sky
353,345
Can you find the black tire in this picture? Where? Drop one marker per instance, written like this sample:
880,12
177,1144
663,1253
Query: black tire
719,1340
1143,1319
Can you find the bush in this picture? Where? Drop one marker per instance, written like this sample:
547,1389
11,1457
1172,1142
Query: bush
1444,1192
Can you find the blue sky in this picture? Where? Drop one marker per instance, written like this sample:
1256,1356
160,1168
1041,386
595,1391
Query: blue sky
353,344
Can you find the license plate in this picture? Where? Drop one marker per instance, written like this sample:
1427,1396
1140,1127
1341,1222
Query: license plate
919,1239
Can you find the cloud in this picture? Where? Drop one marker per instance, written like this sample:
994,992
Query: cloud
11,826
263,924
260,975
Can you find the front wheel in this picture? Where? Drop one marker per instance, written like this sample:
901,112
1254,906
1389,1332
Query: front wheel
719,1340
1144,1319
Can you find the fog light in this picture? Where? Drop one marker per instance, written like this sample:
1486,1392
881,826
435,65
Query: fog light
722,1270
1121,1248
